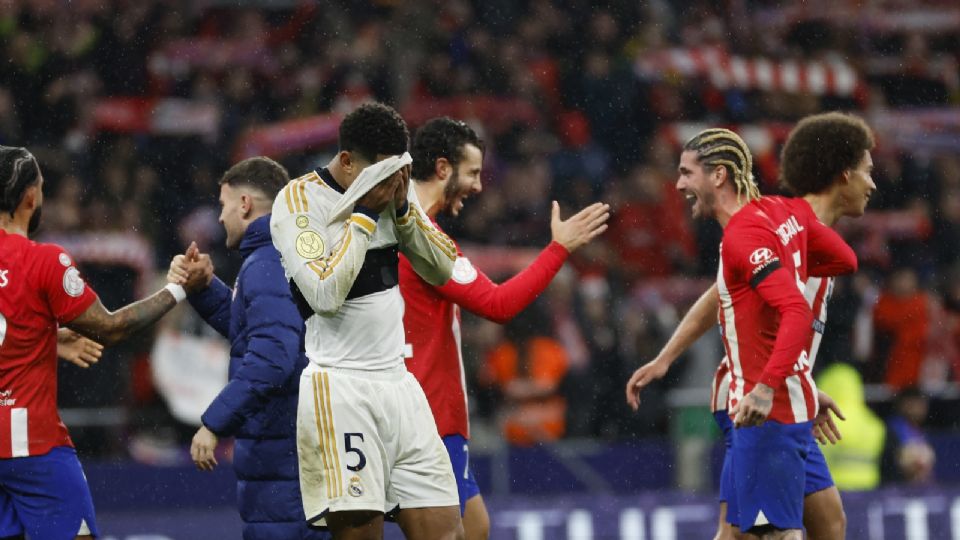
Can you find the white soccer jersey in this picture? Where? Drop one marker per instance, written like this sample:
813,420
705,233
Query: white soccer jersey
363,333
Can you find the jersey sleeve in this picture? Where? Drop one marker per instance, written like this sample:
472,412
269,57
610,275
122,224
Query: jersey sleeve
827,254
430,251
472,290
323,267
751,253
61,284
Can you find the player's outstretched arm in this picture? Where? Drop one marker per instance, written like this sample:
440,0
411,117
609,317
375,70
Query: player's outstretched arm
695,323
430,252
472,290
109,327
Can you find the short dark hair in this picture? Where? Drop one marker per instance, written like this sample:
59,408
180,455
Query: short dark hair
374,128
820,148
18,171
261,173
441,137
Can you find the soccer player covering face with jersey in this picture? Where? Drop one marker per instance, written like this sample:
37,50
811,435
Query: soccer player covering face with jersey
366,440
827,161
447,162
43,492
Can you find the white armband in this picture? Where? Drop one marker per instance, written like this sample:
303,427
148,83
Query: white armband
178,292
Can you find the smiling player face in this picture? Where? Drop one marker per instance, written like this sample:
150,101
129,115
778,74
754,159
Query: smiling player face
859,186
464,181
694,183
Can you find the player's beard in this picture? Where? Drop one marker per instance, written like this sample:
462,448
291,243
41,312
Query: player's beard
34,223
450,192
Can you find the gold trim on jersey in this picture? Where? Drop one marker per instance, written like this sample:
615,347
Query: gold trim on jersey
437,237
322,436
333,433
324,268
364,221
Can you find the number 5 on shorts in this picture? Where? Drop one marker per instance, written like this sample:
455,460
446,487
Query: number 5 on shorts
348,448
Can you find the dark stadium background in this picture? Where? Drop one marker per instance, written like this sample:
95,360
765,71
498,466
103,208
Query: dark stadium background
134,109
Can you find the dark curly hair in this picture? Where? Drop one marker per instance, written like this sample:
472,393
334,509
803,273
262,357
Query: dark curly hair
441,137
18,171
260,173
820,148
374,128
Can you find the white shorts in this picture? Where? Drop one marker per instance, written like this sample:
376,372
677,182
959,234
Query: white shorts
368,441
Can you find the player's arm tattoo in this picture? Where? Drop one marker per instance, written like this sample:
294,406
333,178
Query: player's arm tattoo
110,327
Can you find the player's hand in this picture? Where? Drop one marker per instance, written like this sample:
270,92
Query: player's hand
77,349
403,187
754,408
193,270
824,428
580,228
202,449
382,194
646,374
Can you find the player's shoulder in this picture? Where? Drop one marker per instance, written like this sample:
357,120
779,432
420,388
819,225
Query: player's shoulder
44,253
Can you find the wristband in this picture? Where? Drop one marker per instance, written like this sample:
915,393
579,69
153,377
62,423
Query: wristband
178,292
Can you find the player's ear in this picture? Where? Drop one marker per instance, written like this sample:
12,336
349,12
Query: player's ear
719,175
32,197
442,168
346,161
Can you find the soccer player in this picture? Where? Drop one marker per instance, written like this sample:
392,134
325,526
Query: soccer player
367,442
259,404
827,161
43,492
447,161
769,245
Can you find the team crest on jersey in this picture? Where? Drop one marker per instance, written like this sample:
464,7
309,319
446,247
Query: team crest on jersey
355,489
72,282
463,271
310,245
65,260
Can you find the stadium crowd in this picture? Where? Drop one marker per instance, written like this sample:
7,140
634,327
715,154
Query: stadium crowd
136,108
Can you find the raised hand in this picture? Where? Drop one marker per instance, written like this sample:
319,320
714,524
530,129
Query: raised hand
382,194
580,228
193,270
77,349
403,187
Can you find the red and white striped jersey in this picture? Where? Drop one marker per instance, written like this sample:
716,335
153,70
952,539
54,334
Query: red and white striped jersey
431,321
39,288
817,291
766,323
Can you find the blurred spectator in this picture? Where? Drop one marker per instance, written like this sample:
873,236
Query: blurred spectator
855,460
527,368
901,319
908,455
